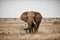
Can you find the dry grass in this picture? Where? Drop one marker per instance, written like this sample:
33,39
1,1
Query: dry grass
12,29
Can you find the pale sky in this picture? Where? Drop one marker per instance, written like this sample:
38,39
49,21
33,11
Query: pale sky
14,8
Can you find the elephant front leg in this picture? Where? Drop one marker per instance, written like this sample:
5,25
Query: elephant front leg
35,28
28,30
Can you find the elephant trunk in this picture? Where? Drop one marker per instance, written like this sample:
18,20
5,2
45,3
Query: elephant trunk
31,24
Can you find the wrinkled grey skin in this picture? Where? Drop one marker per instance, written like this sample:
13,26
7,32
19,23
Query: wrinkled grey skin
33,20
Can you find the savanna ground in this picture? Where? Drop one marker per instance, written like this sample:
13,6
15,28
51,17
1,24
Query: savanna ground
13,29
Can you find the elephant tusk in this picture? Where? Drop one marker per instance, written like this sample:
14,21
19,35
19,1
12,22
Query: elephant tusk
34,22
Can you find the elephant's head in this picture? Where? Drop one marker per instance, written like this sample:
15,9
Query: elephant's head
32,18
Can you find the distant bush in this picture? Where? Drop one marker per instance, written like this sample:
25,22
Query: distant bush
56,22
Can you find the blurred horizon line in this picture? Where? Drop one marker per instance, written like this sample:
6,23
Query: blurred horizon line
18,18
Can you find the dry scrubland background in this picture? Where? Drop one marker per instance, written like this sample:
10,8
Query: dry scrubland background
12,29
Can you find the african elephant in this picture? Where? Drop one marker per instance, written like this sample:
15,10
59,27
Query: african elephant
33,20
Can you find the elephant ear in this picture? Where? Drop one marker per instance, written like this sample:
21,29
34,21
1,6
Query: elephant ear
38,17
24,16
